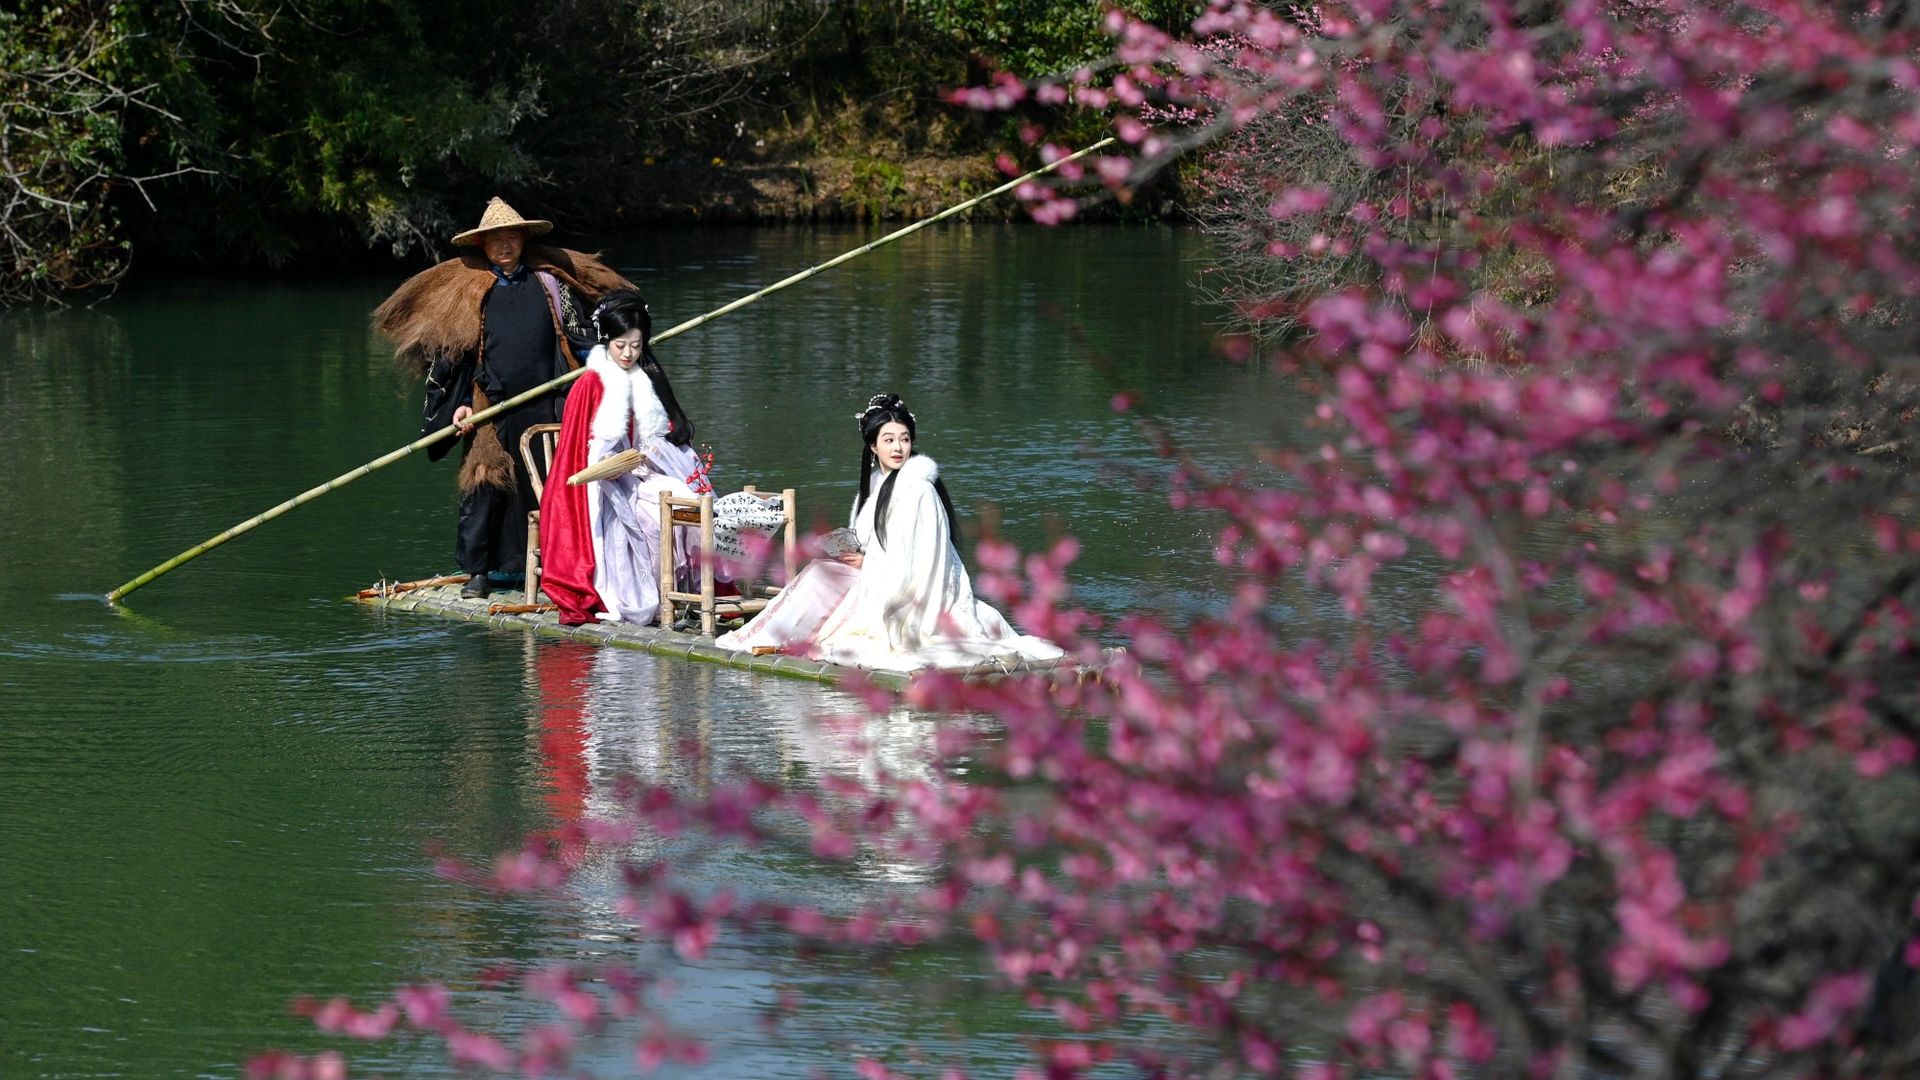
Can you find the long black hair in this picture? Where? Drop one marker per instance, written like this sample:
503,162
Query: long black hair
623,310
881,410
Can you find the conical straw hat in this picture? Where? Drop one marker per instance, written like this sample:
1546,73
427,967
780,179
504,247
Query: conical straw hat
499,215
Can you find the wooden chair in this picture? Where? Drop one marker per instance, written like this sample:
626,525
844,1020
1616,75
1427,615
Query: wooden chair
536,454
697,513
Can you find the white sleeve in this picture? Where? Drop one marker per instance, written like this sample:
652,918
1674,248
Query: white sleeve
621,487
910,576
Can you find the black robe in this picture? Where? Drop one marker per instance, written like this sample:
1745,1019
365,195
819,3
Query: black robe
519,350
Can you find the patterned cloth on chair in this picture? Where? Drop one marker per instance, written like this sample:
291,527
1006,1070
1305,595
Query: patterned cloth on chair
745,512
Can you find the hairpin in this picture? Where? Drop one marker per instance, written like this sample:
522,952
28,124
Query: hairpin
883,401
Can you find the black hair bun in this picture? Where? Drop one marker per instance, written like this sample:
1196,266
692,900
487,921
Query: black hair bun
880,402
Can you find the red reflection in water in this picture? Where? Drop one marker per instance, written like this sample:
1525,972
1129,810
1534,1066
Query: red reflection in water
561,672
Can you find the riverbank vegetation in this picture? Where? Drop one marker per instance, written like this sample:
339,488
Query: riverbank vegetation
224,133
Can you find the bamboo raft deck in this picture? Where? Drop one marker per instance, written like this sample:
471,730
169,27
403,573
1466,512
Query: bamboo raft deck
445,601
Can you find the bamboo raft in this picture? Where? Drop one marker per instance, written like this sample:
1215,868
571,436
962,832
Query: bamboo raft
120,593
507,609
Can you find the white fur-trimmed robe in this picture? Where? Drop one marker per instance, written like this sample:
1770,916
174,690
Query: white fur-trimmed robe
910,605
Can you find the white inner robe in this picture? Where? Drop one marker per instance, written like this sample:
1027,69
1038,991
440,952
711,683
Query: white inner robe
624,511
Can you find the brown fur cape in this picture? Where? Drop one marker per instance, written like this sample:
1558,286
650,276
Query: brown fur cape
436,315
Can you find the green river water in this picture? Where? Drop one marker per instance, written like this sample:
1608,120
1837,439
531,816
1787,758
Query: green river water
221,796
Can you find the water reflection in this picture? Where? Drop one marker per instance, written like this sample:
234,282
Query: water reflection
604,715
597,715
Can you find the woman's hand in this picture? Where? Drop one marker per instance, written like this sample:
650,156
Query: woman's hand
852,558
460,416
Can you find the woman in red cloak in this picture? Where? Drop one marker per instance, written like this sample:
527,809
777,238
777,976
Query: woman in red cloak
600,541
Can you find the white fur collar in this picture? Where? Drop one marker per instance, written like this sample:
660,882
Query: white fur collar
920,467
917,469
628,397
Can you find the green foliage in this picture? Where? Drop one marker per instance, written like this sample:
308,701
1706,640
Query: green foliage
61,120
880,185
379,115
1032,38
253,131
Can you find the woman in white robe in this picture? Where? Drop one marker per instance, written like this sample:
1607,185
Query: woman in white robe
904,601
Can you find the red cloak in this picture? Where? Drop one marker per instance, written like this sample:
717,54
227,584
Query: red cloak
566,526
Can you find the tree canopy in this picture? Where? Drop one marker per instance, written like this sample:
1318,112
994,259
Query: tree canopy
264,132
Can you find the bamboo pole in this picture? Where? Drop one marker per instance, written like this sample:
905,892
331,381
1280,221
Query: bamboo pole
395,588
521,609
484,415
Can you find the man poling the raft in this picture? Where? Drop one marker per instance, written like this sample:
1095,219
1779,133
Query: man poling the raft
482,327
